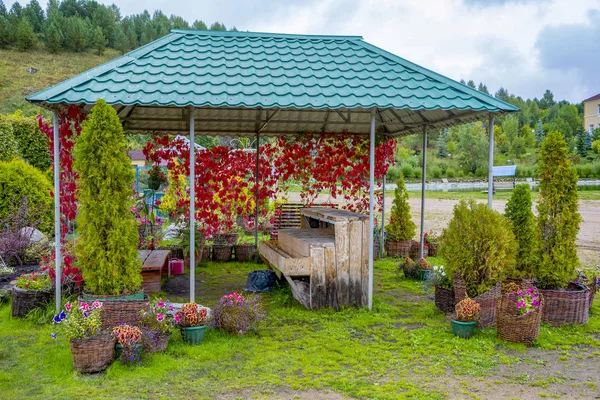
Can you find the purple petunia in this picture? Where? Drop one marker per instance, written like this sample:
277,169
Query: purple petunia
53,336
85,314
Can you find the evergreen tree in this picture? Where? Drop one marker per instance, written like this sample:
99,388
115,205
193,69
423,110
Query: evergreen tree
122,42
5,32
98,41
3,12
483,88
502,94
53,37
471,84
76,37
199,25
218,27
107,246
35,15
401,227
539,132
558,217
547,100
442,144
518,211
582,142
25,36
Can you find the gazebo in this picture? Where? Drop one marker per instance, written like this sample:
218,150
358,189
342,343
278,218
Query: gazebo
264,84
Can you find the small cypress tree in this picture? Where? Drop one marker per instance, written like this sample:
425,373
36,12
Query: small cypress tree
539,132
558,217
518,211
442,144
401,227
107,248
25,36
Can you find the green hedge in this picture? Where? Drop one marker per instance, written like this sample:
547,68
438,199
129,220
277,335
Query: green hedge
8,144
32,144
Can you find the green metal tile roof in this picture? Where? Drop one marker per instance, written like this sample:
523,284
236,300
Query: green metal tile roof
240,69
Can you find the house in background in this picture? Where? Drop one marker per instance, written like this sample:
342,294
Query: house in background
591,113
138,158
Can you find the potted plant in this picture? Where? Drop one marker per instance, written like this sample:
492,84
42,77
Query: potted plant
424,269
129,347
518,211
444,293
244,251
566,302
480,248
223,246
431,240
236,314
589,277
156,178
108,239
81,324
465,318
191,320
519,315
409,267
156,326
401,229
202,251
30,291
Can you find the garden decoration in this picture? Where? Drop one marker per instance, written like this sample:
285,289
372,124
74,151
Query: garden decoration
409,267
236,314
156,326
107,246
424,269
31,291
192,322
129,347
401,228
558,223
465,318
519,315
80,323
156,178
432,240
444,293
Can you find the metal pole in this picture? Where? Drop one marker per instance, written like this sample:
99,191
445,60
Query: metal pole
491,163
371,204
57,241
382,244
256,192
192,206
423,179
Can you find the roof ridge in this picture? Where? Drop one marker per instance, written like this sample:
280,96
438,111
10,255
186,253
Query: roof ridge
263,34
595,97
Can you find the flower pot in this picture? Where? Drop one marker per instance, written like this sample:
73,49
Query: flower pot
487,300
156,342
463,329
432,249
423,274
118,309
566,306
222,239
138,349
222,253
93,354
516,328
244,252
193,334
24,300
398,248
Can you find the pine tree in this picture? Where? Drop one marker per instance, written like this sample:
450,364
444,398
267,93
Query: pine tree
3,12
98,41
199,25
53,37
582,142
518,211
442,144
539,132
107,246
558,217
25,37
401,227
5,32
121,42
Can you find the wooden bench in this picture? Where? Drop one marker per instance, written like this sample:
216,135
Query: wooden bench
155,264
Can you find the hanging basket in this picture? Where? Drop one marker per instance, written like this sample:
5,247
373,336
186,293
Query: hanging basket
432,250
244,252
24,300
487,301
222,253
444,299
398,248
118,309
517,328
566,306
93,354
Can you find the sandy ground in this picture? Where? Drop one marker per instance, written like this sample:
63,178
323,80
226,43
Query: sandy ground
438,213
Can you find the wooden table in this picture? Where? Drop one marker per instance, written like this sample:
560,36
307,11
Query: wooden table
155,265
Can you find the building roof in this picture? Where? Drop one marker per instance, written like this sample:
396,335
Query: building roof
136,155
245,82
596,97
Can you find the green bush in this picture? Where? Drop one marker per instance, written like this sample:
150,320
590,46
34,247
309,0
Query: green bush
435,172
518,211
107,247
451,173
480,245
393,173
19,179
32,144
401,227
558,217
584,170
525,171
417,172
8,144
406,170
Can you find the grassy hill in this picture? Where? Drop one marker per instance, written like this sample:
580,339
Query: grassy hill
16,82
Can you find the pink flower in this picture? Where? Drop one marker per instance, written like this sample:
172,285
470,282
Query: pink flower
84,306
68,306
160,318
160,304
96,304
177,317
171,308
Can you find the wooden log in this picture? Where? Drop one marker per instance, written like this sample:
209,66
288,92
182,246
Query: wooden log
342,258
317,278
355,258
365,263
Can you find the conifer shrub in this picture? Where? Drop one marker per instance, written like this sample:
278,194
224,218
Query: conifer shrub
401,227
32,144
8,144
107,248
480,245
518,211
558,217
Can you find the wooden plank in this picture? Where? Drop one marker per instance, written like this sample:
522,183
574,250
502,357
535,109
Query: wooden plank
286,264
317,278
355,260
342,262
297,242
365,263
332,214
331,283
300,291
143,254
157,260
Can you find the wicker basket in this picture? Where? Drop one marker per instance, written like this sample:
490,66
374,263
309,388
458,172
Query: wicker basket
444,299
432,250
414,250
24,300
487,301
116,310
569,306
222,253
517,328
158,343
244,252
398,248
93,354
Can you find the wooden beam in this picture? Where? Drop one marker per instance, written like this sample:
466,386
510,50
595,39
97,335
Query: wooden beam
324,127
269,119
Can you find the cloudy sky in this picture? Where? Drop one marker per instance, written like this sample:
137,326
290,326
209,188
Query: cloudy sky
527,46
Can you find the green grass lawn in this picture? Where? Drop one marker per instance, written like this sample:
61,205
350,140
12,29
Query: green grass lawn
404,348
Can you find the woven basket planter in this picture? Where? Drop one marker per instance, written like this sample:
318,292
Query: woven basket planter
488,301
432,250
398,248
202,255
414,250
569,306
222,253
24,300
116,309
222,239
517,328
244,252
158,343
93,354
444,299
